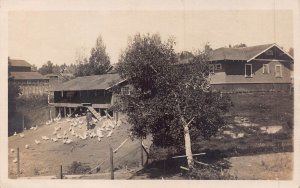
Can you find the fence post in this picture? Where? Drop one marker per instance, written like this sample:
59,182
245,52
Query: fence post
18,164
23,122
142,156
111,163
60,172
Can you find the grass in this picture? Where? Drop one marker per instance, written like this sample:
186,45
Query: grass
263,109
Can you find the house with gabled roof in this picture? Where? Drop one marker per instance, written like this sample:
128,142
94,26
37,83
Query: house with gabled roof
257,68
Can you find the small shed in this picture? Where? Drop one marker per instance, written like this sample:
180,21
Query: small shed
92,91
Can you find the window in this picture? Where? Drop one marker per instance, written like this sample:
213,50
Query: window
125,91
269,52
218,66
266,69
278,71
211,69
248,70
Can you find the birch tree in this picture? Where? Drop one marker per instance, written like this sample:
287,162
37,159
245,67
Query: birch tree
173,103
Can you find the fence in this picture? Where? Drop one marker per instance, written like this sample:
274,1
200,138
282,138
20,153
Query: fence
112,163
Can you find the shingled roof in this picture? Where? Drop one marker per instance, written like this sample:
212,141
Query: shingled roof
244,53
95,82
18,63
27,76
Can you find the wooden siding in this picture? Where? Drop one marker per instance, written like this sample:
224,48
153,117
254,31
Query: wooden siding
234,72
93,97
252,87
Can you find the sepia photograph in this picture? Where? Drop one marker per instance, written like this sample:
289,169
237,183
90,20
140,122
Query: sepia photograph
150,94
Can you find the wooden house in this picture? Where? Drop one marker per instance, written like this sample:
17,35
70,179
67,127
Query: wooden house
30,82
256,68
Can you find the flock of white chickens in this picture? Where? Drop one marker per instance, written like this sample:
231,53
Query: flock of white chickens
77,130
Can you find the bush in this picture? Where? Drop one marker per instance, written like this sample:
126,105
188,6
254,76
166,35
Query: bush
210,172
78,168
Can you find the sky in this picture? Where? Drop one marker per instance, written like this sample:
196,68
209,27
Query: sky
63,36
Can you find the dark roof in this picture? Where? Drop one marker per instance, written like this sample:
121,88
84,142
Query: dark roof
95,82
27,76
18,63
244,53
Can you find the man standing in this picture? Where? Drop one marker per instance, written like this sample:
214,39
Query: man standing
88,119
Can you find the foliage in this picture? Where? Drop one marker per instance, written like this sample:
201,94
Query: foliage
165,95
98,62
241,45
210,172
46,68
78,168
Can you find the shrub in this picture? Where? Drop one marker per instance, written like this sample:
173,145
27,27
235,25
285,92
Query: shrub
78,168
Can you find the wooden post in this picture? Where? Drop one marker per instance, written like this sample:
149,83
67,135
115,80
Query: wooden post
18,162
111,163
65,112
23,122
142,156
60,172
50,113
117,117
70,111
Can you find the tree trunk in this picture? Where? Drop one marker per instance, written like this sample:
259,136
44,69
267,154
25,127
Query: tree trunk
188,146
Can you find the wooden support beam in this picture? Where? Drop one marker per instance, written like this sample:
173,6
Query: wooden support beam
111,163
185,155
65,112
18,162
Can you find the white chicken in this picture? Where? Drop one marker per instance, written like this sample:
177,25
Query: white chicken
22,135
67,141
37,142
35,128
99,139
12,150
58,136
27,146
109,134
15,134
99,133
83,137
15,160
57,128
76,115
45,138
70,129
54,139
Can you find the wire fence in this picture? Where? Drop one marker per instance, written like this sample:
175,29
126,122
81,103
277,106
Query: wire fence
113,161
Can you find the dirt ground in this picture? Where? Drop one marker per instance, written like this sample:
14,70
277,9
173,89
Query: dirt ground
263,167
45,159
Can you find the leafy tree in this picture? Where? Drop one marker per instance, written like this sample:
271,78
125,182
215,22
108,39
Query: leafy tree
46,68
33,68
82,68
173,104
98,63
241,45
99,60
